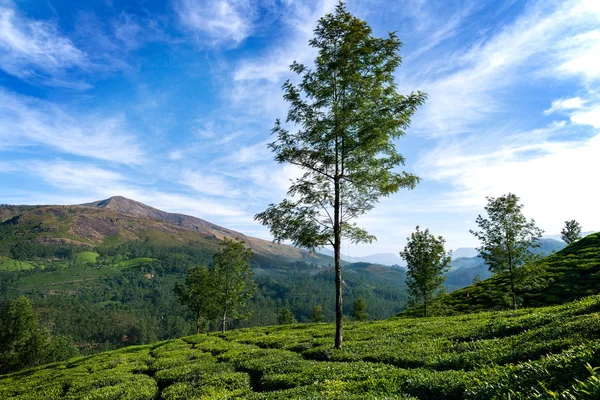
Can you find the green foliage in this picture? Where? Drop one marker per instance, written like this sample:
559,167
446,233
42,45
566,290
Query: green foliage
198,296
571,232
427,262
359,310
231,280
507,238
344,117
285,316
24,343
317,314
88,257
8,264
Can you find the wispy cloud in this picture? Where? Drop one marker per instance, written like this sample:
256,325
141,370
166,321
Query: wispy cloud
550,177
589,117
559,105
25,122
222,22
212,184
37,51
472,93
80,182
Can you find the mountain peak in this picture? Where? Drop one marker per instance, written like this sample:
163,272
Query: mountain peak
125,206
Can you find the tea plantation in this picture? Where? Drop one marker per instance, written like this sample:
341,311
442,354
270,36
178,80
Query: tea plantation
567,275
532,353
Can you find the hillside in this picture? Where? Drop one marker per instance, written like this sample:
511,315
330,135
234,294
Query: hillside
118,220
105,271
464,269
571,273
494,355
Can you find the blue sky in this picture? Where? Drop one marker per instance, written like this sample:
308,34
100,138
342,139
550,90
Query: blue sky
171,104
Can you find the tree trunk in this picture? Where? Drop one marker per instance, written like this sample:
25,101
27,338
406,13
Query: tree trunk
197,323
511,276
224,321
512,289
425,308
339,312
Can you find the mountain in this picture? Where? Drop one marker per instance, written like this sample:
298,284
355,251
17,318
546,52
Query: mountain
388,259
558,236
464,252
119,220
547,246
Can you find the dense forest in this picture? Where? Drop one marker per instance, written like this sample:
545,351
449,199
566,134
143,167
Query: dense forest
114,296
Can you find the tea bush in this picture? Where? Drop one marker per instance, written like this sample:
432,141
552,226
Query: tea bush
546,353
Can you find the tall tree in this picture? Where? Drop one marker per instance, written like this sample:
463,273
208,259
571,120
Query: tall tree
198,295
571,232
232,280
359,310
507,238
427,262
344,116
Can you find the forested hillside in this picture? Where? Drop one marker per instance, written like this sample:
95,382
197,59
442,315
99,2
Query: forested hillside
106,278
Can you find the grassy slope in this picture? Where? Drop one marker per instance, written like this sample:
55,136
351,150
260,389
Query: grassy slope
569,274
8,264
477,356
87,257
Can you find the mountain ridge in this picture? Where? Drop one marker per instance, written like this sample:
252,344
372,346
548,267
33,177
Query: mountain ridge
118,219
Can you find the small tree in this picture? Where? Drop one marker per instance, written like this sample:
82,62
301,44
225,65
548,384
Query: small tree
427,262
231,279
359,310
571,232
346,116
285,316
317,314
507,238
198,295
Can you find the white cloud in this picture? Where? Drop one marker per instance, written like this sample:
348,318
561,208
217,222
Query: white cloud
572,103
591,117
299,17
218,22
75,178
25,121
35,50
458,101
581,55
552,178
69,175
256,86
207,183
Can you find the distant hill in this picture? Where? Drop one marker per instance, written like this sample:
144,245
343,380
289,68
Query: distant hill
464,252
464,269
557,236
569,274
118,220
388,259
